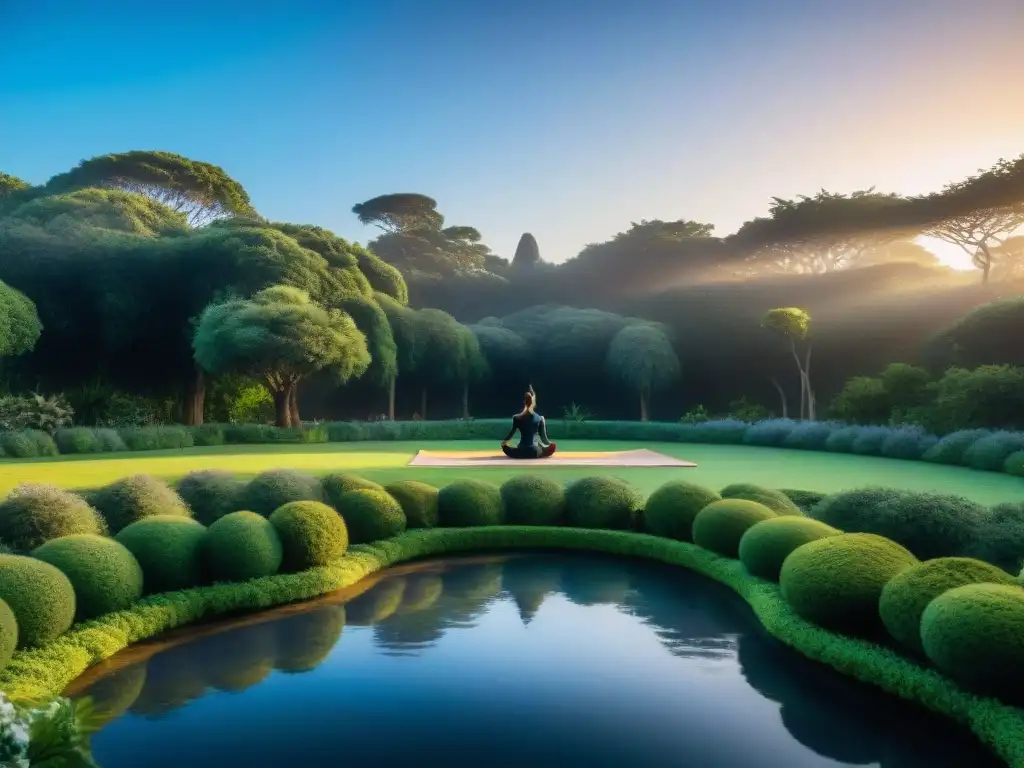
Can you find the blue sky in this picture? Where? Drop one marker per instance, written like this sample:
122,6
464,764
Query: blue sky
565,119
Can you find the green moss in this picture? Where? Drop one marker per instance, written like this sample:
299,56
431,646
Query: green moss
105,575
370,515
277,487
671,509
776,501
602,502
337,484
211,494
241,546
8,633
377,604
312,534
767,544
836,582
721,524
40,596
34,514
169,548
418,501
306,639
466,503
532,500
134,498
973,634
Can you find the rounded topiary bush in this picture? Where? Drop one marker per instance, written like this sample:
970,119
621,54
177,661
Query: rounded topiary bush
469,503
842,440
277,487
105,575
311,533
990,452
34,514
973,634
809,436
77,440
211,494
906,596
869,441
805,500
907,443
109,440
671,509
240,546
1014,464
337,484
40,596
370,515
8,633
776,501
532,500
766,545
836,582
602,502
951,448
169,548
129,500
721,524
1000,540
418,501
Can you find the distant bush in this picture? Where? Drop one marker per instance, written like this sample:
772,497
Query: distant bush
27,444
467,503
345,432
721,524
809,435
336,484
869,441
418,501
370,515
8,633
277,487
1014,464
169,549
672,508
311,534
105,575
40,596
245,434
990,452
532,500
208,434
110,441
951,448
776,501
766,545
842,440
136,497
770,433
863,400
1000,537
156,438
716,431
602,502
836,581
906,596
77,440
34,514
35,412
211,494
240,546
907,443
803,499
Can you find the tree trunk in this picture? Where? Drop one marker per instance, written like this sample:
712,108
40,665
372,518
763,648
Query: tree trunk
195,398
391,399
782,398
282,403
465,400
812,411
645,414
423,404
293,407
803,381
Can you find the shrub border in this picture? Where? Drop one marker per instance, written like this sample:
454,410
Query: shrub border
38,673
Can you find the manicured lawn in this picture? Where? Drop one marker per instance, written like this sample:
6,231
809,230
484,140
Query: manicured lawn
718,465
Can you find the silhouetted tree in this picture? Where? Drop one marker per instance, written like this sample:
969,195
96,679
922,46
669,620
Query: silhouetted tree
527,253
400,212
641,357
794,325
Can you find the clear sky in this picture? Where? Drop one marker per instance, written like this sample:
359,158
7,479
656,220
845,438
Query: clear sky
565,118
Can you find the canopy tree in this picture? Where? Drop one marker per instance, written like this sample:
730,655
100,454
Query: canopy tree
987,335
527,253
432,251
794,326
10,184
19,323
400,212
470,366
404,330
280,336
442,355
380,341
641,357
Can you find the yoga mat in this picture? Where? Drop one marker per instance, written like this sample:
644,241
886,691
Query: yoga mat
638,458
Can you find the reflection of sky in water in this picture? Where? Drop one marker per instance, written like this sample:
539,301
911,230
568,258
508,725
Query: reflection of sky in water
545,661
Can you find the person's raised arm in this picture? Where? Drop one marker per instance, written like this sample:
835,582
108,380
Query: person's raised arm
543,431
511,432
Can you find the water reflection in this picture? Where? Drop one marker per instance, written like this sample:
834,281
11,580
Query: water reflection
464,637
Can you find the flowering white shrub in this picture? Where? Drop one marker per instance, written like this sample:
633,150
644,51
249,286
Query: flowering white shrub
56,733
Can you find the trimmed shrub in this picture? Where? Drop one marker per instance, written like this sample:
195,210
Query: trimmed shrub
766,545
337,484
345,431
868,441
109,440
809,435
670,510
842,440
906,596
8,633
311,534
951,448
34,514
1000,539
769,433
370,515
40,596
715,432
721,524
469,503
836,582
973,634
208,434
1014,464
105,575
990,452
602,502
277,487
211,494
27,444
77,440
532,500
156,438
134,498
418,501
240,546
803,499
169,548
776,501
908,443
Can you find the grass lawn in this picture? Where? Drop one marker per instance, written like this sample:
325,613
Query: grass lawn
718,465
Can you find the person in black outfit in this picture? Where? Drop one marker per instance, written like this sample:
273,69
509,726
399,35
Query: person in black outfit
533,433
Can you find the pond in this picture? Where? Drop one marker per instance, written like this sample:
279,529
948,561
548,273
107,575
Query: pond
539,660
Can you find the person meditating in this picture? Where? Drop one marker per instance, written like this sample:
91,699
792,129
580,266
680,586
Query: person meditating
533,433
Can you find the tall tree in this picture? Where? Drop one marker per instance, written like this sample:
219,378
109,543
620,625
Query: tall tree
794,326
641,357
470,365
440,352
371,319
527,253
402,321
11,184
400,212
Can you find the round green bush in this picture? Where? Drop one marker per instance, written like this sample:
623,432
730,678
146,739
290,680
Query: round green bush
906,596
370,515
951,448
241,546
337,484
134,498
1014,464
469,503
311,534
211,494
721,524
418,501
671,509
532,500
169,548
836,582
109,440
105,575
277,487
767,544
77,440
602,502
8,633
1001,538
803,499
34,514
973,634
776,501
40,596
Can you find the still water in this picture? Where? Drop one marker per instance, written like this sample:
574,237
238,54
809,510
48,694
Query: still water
532,660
